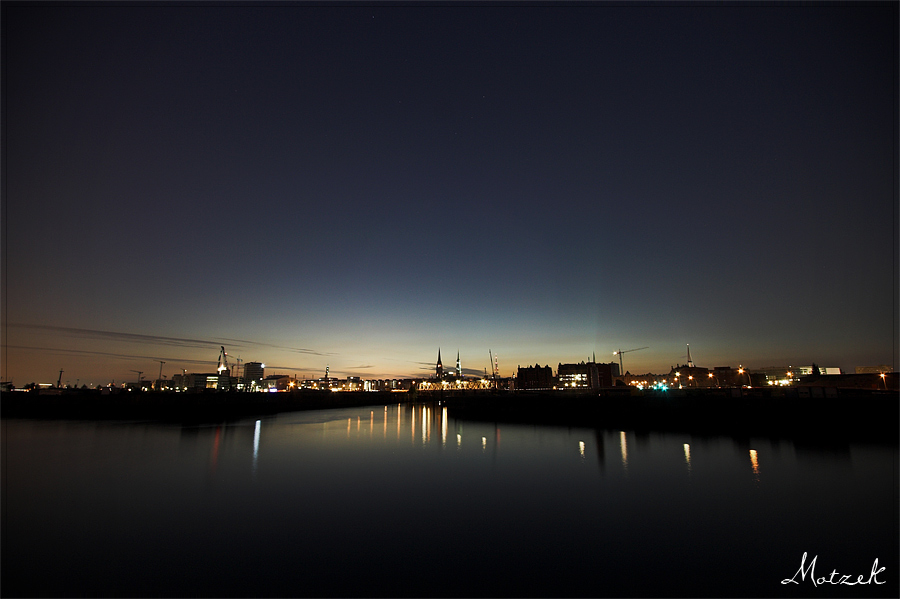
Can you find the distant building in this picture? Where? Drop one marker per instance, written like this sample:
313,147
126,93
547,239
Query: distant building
577,376
689,376
776,375
277,382
534,377
439,368
808,370
874,369
398,385
874,381
198,381
607,373
723,376
586,375
254,373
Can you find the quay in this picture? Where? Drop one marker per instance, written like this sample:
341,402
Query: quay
852,414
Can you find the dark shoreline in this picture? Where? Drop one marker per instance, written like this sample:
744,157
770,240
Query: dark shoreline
179,407
859,417
854,415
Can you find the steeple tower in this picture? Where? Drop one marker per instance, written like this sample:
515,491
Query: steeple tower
458,367
439,369
690,362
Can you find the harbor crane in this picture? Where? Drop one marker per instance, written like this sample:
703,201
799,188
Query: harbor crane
625,351
223,361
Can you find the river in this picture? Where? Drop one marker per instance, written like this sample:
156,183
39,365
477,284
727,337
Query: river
404,500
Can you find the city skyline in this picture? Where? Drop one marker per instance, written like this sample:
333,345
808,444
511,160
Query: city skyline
174,363
356,186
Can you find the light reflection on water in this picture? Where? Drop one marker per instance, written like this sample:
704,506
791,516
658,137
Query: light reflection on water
305,490
687,457
256,445
754,463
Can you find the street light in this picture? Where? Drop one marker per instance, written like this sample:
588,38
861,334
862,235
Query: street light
883,380
741,371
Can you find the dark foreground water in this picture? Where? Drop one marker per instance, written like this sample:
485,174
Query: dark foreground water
404,501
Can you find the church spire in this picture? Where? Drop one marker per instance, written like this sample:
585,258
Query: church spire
458,368
439,368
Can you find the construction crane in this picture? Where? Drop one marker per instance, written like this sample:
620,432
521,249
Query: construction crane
625,351
237,379
223,361
59,380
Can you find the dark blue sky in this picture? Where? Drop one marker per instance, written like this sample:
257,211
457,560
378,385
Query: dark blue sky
369,183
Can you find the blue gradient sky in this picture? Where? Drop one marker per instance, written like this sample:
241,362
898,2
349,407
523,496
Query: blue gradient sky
367,184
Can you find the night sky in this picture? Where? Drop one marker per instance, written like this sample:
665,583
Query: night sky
358,186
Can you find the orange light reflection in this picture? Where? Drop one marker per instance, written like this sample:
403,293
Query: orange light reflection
754,462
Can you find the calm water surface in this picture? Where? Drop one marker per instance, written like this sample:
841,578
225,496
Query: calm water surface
405,501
